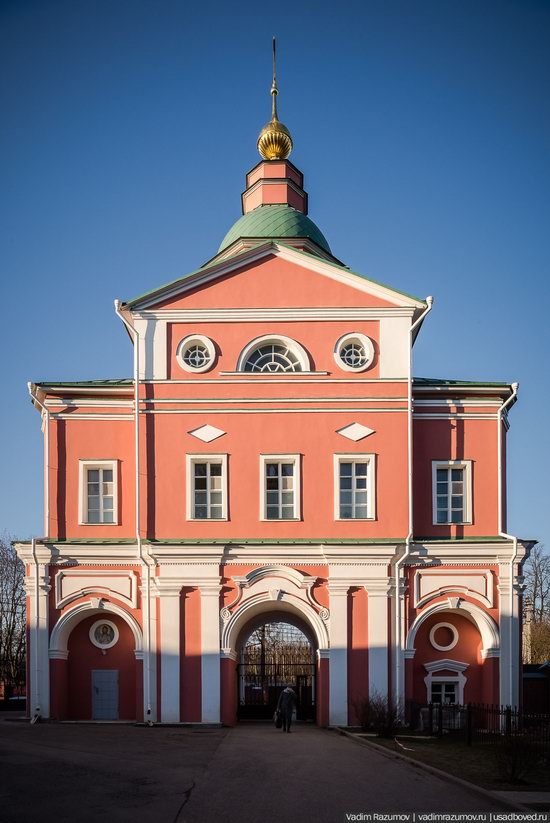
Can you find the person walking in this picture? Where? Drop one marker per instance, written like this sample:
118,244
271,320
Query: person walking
285,706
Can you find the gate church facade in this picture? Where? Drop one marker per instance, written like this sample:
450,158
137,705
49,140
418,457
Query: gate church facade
271,459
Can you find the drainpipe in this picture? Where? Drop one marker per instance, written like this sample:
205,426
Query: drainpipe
502,533
45,414
408,539
146,564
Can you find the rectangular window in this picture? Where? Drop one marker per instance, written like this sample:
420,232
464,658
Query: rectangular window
98,492
444,692
207,487
354,486
280,489
451,492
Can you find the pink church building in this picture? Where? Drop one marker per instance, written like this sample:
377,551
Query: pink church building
272,459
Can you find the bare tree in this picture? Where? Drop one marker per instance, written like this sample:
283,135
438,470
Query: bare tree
12,617
537,583
536,638
278,647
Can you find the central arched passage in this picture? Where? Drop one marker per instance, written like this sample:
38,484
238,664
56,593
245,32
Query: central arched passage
275,651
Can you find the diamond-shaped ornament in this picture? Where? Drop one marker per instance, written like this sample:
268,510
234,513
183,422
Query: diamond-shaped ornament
206,433
355,431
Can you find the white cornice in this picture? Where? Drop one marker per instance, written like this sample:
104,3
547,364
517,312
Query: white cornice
487,389
84,416
262,315
466,553
213,400
82,402
373,555
246,377
444,402
310,410
455,416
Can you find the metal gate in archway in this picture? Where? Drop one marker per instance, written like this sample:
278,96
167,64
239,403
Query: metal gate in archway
275,655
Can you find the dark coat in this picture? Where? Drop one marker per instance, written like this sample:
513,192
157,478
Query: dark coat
286,702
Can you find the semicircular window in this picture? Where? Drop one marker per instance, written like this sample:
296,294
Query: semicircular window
272,357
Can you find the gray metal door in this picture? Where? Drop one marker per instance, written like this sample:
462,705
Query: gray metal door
105,694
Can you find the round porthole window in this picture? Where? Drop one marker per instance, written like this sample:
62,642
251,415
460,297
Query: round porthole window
354,352
443,637
196,353
103,634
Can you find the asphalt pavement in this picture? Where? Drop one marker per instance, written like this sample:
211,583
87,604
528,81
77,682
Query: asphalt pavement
252,774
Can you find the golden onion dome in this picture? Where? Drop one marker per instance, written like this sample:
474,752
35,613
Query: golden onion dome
274,142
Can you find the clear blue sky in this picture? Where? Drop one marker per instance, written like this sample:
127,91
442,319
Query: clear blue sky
423,130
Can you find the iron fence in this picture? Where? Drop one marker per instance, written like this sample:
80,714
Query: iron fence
480,724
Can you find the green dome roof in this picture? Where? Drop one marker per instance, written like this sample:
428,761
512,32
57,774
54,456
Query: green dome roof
277,222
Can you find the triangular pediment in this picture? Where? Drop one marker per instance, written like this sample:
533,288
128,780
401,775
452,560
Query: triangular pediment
273,274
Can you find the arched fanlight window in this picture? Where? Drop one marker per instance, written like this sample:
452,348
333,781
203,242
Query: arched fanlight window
270,354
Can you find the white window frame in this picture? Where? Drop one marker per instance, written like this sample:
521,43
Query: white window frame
466,465
189,341
355,457
84,467
457,676
281,458
191,459
277,340
354,337
443,681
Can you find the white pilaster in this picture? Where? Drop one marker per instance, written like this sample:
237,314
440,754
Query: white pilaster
150,685
378,636
210,648
338,669
153,353
170,610
394,346
505,628
39,642
510,627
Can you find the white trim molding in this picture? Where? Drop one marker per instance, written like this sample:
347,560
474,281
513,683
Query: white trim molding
431,583
73,616
450,645
72,584
268,249
285,598
475,614
450,666
272,315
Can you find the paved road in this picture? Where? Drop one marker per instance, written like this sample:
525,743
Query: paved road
252,773
266,776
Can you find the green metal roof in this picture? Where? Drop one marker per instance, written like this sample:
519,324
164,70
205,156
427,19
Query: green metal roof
435,381
274,222
83,384
332,541
128,381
